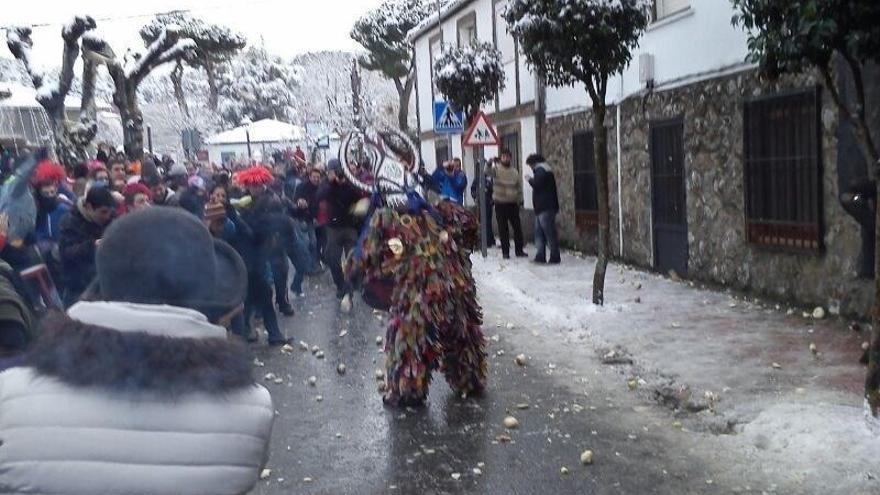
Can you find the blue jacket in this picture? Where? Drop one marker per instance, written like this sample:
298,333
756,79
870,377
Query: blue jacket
48,227
451,186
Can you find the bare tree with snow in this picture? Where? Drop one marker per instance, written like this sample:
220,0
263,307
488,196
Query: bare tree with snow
71,138
128,73
382,32
216,45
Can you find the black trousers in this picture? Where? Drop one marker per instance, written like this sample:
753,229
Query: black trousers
490,234
340,241
280,274
259,298
508,216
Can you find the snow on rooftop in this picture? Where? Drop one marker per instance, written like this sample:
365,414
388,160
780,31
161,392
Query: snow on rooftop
26,97
261,131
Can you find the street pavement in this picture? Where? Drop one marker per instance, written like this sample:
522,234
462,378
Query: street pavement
336,437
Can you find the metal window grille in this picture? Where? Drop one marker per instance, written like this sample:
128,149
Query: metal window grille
586,202
783,170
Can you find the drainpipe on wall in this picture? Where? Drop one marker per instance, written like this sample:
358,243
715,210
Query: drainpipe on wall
619,169
540,112
418,133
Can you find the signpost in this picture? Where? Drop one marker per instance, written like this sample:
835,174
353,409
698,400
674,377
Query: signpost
482,133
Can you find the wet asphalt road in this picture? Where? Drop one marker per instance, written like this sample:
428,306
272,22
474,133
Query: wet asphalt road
347,442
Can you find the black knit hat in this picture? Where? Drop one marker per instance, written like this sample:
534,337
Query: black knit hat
167,256
100,197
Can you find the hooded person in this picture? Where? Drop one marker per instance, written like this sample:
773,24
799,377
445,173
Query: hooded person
51,208
139,391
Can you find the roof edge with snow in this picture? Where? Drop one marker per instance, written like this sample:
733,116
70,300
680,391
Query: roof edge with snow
432,21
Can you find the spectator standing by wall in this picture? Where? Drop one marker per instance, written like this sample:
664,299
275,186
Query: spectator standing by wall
546,202
508,196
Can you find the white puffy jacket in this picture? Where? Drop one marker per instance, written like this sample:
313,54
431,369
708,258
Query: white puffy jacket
58,438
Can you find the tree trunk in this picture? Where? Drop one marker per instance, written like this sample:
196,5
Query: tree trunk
213,95
872,378
404,94
132,125
177,82
600,157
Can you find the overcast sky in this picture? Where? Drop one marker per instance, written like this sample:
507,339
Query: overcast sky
286,27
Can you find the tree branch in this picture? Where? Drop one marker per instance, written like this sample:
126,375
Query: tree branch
591,90
862,122
399,85
831,86
19,41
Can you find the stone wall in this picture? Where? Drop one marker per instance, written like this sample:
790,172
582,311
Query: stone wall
713,142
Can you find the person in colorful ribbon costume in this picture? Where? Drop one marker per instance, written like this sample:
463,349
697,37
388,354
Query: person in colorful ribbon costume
419,254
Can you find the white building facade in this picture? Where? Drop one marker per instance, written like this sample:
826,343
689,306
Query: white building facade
715,173
514,111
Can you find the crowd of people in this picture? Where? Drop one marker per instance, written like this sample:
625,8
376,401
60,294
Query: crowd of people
153,263
285,213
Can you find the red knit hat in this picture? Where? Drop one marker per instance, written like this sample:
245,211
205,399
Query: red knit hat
257,175
132,190
48,173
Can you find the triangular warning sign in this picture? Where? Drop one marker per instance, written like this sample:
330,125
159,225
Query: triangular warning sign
481,132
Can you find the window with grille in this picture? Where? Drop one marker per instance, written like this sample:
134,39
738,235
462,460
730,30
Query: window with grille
467,29
586,203
783,178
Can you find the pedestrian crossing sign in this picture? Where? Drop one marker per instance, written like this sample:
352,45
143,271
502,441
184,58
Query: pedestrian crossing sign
481,132
446,119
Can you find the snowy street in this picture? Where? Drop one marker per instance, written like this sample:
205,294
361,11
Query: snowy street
795,429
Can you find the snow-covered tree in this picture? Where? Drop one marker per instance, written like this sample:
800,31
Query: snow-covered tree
582,41
71,138
257,85
382,32
469,76
11,70
128,73
216,44
325,95
790,37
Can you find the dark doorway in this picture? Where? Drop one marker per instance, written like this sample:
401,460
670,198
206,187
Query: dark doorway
669,197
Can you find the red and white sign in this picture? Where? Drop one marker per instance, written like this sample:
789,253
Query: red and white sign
481,133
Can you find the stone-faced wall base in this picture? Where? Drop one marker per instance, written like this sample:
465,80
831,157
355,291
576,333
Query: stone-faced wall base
712,112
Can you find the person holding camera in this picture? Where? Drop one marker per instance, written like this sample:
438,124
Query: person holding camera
451,180
508,196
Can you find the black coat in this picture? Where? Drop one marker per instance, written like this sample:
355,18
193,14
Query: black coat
272,227
309,192
77,248
544,196
340,200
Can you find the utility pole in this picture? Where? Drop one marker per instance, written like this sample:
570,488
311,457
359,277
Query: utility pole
357,111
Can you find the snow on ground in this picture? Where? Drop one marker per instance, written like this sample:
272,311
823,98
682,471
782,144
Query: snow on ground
795,415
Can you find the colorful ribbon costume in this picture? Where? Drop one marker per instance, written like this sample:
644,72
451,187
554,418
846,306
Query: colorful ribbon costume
435,319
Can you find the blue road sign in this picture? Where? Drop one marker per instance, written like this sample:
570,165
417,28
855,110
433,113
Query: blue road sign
446,119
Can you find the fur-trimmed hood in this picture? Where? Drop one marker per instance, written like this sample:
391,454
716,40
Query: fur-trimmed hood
135,347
